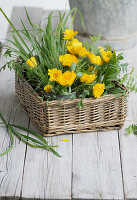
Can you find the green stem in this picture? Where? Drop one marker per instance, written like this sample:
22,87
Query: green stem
69,89
10,134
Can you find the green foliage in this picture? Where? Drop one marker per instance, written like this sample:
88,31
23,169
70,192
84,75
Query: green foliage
130,81
46,45
37,141
132,129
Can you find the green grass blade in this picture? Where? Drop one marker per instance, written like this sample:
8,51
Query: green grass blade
12,142
19,46
31,131
25,140
17,52
4,121
27,137
54,152
36,135
32,139
10,134
21,39
7,151
29,18
33,41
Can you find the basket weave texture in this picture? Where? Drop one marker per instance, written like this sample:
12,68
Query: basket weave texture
60,117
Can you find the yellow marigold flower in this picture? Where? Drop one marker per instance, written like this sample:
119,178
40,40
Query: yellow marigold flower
74,42
88,78
78,50
68,59
106,55
99,61
69,34
95,59
54,74
31,62
98,89
48,88
101,49
67,78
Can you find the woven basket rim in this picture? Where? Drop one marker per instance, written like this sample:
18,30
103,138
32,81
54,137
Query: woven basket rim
67,101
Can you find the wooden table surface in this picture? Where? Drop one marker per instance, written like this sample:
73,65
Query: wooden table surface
97,165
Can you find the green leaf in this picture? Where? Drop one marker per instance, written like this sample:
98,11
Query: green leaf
79,74
132,129
108,47
73,66
120,95
10,134
120,56
8,53
80,104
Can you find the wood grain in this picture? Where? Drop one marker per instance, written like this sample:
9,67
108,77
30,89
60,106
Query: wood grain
45,175
11,165
96,166
128,147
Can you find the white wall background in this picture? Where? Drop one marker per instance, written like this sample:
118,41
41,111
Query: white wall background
7,6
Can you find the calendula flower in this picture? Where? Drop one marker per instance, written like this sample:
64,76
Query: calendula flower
31,62
67,78
106,55
68,59
99,61
48,88
54,74
69,34
74,42
98,89
78,50
101,49
87,78
95,59
92,58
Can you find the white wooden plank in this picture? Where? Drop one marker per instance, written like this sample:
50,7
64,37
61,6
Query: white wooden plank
11,165
128,143
12,181
128,148
96,166
47,176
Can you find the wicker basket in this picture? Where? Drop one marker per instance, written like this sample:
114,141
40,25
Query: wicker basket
104,113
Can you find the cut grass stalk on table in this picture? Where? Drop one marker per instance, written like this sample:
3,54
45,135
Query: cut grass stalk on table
31,141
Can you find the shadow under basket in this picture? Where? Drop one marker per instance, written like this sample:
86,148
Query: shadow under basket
63,117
